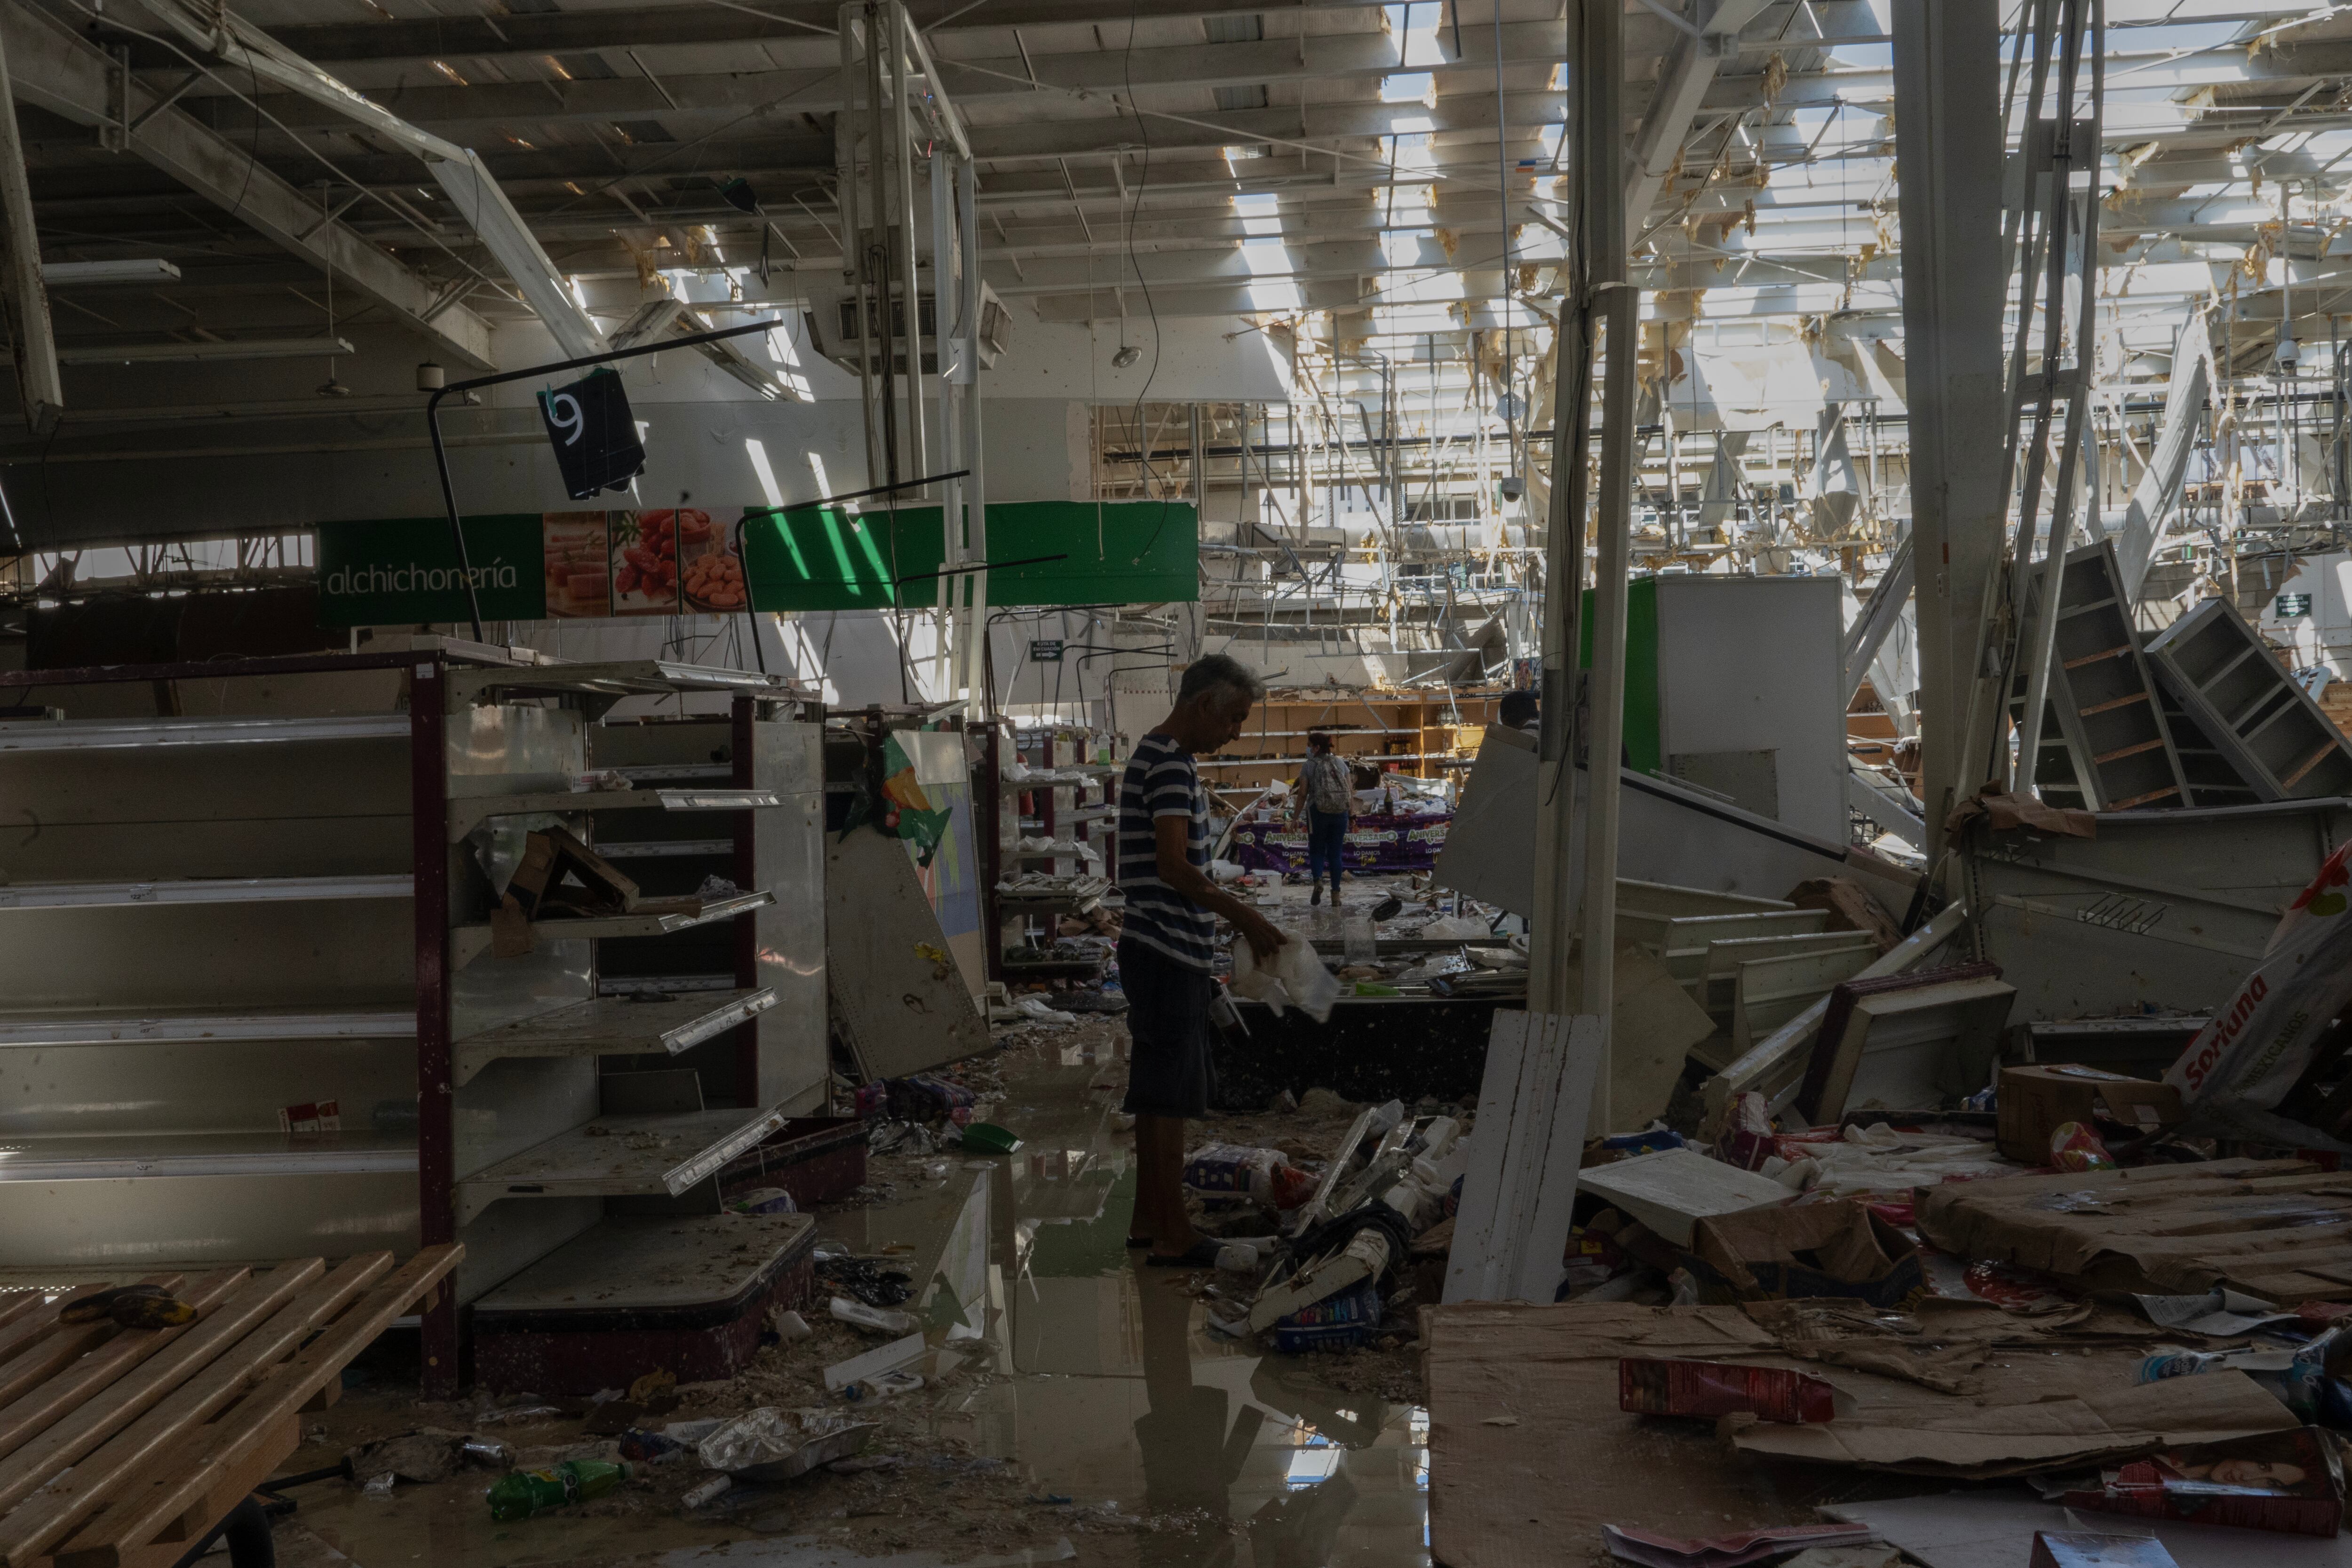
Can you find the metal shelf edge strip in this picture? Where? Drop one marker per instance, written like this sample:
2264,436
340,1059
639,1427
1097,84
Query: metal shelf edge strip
305,1162
47,735
223,891
66,1031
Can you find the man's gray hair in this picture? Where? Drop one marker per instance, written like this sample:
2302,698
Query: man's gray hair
1214,670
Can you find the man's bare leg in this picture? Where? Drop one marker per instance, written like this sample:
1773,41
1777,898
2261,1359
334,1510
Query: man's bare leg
1160,1211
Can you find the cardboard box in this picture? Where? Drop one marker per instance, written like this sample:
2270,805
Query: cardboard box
1814,1249
1648,1385
2037,1099
550,856
2290,1481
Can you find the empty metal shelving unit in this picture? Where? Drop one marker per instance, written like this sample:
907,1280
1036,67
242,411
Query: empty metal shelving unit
250,1004
2249,709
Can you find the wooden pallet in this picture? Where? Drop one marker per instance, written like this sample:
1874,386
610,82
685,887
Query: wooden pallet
121,1447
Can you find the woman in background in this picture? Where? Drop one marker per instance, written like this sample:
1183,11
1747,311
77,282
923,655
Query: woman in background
1327,803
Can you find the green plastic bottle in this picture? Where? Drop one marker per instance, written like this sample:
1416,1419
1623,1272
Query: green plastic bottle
519,1494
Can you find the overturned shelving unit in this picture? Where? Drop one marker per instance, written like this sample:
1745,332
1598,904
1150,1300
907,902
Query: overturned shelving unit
2249,709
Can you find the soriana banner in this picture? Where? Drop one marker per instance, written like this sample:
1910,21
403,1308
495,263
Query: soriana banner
2240,1067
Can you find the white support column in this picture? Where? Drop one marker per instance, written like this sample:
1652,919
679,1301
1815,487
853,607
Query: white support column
1576,818
1948,141
974,487
948,663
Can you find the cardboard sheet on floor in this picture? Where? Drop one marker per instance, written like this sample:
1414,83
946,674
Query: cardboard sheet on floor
1654,1026
1530,1455
1995,1530
1536,1492
2279,1229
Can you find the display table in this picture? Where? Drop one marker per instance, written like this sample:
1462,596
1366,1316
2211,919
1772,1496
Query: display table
1378,842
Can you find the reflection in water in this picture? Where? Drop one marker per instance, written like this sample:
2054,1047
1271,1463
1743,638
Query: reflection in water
1192,1453
1110,1390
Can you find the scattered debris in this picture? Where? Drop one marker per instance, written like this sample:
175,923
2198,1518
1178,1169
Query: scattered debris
1655,1551
767,1444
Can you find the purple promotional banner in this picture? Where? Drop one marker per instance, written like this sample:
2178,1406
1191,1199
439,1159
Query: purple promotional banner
1378,842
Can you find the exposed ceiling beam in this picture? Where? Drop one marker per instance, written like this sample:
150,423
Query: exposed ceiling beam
565,32
1665,125
60,72
809,154
811,90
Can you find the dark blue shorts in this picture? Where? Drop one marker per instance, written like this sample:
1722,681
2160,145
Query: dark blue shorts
1169,1072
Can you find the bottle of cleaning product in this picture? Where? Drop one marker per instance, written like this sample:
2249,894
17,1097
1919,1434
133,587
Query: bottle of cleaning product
521,1494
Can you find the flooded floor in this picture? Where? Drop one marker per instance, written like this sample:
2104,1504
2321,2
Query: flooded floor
1096,1417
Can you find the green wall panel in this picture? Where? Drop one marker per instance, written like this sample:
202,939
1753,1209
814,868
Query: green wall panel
1643,734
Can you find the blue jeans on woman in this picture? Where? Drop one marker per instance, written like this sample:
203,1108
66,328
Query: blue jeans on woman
1327,836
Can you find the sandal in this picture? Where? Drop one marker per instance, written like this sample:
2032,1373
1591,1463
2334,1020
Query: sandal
1201,1253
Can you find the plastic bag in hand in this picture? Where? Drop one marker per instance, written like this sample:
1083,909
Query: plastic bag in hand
1294,977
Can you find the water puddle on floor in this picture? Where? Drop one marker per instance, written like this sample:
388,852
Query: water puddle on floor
1101,1384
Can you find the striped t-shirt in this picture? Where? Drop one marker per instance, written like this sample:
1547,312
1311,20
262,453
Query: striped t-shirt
1161,781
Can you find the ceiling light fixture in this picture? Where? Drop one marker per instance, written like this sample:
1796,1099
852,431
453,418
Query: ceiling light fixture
128,269
176,353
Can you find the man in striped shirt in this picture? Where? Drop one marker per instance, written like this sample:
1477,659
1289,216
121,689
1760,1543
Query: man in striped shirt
1169,941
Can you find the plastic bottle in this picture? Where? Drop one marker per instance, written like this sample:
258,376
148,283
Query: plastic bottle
519,1494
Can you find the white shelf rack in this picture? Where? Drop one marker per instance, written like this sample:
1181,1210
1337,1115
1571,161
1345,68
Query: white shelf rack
613,1026
228,922
620,1156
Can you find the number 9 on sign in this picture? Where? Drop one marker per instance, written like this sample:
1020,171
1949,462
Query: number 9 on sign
564,419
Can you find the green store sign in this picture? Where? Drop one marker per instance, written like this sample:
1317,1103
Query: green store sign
599,564
406,569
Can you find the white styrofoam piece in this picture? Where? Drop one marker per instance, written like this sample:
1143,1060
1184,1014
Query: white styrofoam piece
1673,1189
1482,1218
885,1358
1533,1103
1995,1530
1543,1233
